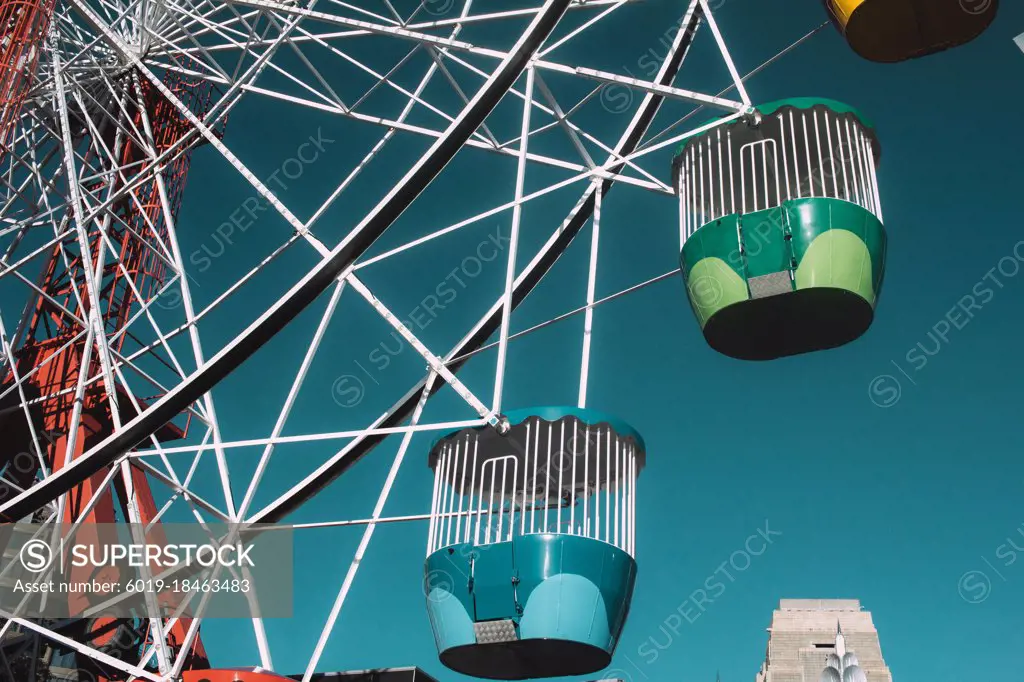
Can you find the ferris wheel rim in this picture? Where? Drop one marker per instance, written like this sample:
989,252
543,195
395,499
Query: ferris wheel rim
527,280
314,283
525,283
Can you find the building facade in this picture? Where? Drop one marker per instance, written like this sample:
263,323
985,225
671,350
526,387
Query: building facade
804,632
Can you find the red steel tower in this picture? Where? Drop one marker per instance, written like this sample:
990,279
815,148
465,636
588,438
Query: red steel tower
24,24
55,361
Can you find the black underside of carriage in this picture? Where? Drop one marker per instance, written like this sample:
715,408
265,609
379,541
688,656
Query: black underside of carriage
526,659
798,322
894,30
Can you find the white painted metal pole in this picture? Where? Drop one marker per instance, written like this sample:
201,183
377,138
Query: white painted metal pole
572,507
462,492
713,25
561,467
450,476
618,491
681,188
537,456
472,488
586,483
289,402
608,487
367,534
513,244
435,496
435,362
547,483
588,322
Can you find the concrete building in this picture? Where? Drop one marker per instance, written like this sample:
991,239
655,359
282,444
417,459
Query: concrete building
804,632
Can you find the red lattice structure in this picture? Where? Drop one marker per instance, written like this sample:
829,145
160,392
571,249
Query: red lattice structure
24,24
53,353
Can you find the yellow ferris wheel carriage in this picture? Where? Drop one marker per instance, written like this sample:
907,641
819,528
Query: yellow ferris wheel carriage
896,30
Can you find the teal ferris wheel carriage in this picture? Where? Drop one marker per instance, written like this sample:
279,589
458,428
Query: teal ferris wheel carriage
530,567
782,241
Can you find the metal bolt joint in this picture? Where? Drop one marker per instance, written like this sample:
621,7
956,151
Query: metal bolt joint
500,423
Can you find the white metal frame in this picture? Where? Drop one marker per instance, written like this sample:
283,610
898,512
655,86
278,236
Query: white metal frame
587,489
819,154
50,180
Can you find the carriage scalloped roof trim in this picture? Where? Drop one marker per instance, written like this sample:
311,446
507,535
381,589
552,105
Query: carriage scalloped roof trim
796,103
554,413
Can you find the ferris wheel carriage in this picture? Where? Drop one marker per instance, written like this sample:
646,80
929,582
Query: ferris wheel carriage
896,30
783,247
530,568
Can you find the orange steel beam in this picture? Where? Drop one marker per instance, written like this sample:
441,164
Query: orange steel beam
23,26
46,345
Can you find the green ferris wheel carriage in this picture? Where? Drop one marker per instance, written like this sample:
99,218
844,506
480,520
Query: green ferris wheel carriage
783,247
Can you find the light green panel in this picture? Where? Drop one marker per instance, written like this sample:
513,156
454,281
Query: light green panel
837,259
713,285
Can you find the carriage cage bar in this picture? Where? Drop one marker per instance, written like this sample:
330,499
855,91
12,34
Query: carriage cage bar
782,243
530,568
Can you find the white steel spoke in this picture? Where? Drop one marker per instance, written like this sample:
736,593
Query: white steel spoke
390,132
203,129
92,171
193,329
737,82
517,213
378,509
591,287
315,437
345,457
436,365
100,656
289,402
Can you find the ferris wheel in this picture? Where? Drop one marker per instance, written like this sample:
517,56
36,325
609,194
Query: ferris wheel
107,401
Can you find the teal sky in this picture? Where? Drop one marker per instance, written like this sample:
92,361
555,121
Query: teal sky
890,505
881,478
